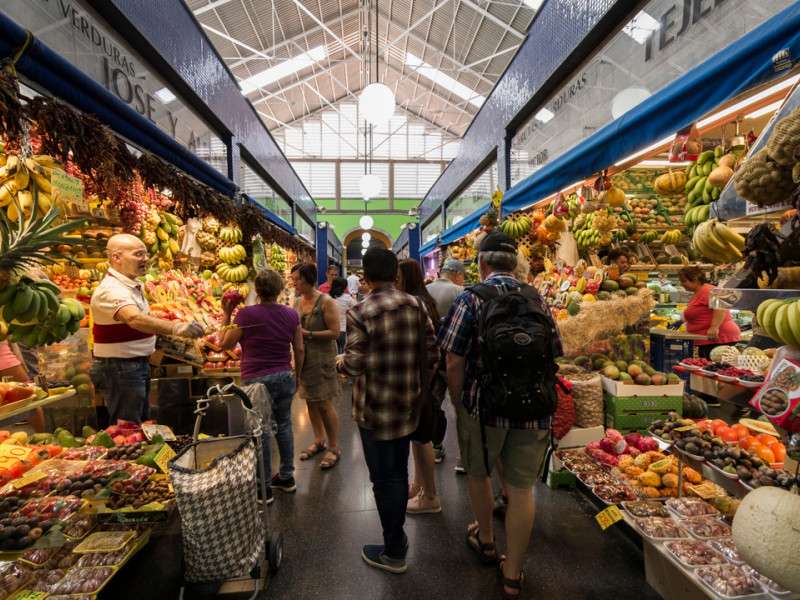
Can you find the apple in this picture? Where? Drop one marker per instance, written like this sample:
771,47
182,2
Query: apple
210,366
237,351
230,364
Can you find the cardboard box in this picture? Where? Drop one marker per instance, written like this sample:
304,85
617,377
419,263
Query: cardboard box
634,421
620,405
628,388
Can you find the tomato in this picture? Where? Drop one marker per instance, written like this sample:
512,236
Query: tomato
19,468
766,439
741,430
727,434
765,454
3,389
54,449
16,393
5,476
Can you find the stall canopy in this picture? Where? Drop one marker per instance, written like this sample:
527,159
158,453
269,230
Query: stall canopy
273,218
427,247
463,227
750,61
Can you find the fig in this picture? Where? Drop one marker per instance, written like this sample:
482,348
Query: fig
21,531
35,533
24,542
45,525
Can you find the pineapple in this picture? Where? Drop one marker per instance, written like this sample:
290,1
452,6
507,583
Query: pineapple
27,244
492,214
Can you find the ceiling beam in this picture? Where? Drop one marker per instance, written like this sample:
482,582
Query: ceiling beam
326,28
479,9
413,26
209,6
486,58
236,42
318,73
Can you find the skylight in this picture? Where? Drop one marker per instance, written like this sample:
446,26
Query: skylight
641,27
283,69
165,96
534,4
544,115
445,81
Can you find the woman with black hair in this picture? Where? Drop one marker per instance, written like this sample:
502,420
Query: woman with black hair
343,301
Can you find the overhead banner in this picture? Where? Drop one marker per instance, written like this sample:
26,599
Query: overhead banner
665,40
72,30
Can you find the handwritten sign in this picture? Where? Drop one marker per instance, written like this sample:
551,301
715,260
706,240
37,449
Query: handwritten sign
69,189
642,276
680,306
163,457
29,595
28,479
608,516
10,454
497,197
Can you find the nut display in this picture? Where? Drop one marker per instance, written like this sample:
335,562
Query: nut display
83,580
646,508
155,490
729,580
693,553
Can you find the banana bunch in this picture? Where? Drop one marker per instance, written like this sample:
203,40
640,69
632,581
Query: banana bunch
718,242
516,227
277,258
32,312
648,237
231,273
232,255
781,320
230,235
102,267
702,187
621,235
25,182
585,236
673,236
243,288
59,325
160,235
696,215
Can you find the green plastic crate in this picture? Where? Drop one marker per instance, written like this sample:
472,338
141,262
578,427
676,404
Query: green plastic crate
639,421
557,479
620,405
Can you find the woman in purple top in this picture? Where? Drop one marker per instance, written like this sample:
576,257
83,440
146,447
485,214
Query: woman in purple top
268,333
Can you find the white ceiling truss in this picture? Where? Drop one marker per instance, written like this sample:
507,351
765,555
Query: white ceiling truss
470,42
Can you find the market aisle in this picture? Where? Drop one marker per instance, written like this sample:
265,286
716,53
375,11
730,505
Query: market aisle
332,515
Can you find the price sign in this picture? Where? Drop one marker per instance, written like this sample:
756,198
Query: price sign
163,457
641,276
680,306
203,436
69,189
11,454
28,479
497,197
608,516
29,595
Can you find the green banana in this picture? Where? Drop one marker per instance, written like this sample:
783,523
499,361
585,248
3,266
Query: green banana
705,157
8,293
33,309
52,300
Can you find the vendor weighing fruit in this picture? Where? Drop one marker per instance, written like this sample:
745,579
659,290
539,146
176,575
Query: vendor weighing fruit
124,332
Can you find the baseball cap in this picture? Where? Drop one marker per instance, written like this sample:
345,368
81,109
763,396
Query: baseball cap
454,266
498,242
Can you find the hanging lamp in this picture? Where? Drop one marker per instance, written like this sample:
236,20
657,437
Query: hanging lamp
376,103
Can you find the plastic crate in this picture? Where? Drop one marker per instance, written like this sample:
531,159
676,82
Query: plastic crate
562,478
666,353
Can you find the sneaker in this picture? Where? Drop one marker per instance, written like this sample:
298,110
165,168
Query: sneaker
285,485
420,505
373,555
438,454
459,465
500,504
269,496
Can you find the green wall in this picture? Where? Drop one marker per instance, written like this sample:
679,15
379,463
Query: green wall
390,223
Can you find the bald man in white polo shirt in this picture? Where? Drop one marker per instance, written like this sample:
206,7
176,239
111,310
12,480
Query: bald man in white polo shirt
124,332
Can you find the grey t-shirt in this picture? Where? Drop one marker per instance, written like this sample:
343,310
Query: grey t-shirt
444,292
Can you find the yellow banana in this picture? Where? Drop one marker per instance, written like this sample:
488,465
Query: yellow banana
25,202
47,161
22,177
728,249
729,235
45,202
8,191
11,167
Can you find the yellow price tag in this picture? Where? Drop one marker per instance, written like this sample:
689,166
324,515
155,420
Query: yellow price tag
641,276
29,595
9,454
681,306
203,436
497,197
28,479
163,457
608,516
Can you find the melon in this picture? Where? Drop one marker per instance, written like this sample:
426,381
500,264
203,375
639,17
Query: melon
766,534
632,291
581,360
609,285
604,295
625,377
716,353
750,351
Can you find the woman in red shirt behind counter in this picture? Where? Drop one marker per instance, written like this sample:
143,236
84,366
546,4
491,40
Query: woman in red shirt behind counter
716,323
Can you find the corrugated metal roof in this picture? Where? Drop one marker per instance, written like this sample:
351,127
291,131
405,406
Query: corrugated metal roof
471,41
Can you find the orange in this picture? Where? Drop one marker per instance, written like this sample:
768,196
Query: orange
748,441
765,454
717,424
727,434
766,439
741,430
779,450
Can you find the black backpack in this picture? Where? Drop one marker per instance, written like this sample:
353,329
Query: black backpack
516,371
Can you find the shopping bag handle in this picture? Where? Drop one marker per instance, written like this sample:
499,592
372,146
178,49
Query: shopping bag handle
230,388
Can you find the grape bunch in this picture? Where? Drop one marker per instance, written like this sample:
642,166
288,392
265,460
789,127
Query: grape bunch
604,223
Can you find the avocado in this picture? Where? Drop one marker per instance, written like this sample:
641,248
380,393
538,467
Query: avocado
103,439
87,431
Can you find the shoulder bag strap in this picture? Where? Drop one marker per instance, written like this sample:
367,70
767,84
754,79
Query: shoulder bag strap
424,375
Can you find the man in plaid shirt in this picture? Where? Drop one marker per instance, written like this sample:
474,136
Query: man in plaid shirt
520,446
382,354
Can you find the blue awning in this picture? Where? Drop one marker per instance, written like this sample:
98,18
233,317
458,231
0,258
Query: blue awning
425,248
273,218
465,226
744,64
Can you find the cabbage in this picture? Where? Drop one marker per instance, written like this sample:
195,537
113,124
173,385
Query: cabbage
716,353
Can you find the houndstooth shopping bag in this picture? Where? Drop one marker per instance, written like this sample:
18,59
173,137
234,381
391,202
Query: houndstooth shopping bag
215,489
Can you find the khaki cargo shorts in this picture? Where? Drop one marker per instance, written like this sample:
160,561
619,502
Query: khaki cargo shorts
521,451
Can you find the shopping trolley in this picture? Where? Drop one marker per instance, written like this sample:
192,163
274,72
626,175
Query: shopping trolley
215,489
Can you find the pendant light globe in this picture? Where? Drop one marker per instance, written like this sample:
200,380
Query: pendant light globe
366,236
369,185
376,104
366,222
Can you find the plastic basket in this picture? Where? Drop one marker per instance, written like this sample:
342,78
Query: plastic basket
755,363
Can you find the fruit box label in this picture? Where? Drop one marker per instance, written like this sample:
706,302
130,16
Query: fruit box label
779,398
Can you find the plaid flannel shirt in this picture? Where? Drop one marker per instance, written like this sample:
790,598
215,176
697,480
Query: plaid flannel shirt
459,335
381,355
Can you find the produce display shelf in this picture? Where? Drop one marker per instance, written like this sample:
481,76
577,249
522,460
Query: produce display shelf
37,404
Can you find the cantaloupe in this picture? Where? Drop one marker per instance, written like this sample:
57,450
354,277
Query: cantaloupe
767,536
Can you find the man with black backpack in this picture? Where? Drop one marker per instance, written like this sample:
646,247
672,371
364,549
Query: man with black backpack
501,343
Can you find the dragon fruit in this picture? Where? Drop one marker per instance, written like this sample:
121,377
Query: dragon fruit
234,297
613,434
633,439
647,444
608,445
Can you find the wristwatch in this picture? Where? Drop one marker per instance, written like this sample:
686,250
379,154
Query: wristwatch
311,335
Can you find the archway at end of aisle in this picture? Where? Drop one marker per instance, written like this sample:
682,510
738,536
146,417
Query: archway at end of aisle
377,234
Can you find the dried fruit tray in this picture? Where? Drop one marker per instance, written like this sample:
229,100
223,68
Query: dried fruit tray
82,580
104,541
705,527
691,507
720,576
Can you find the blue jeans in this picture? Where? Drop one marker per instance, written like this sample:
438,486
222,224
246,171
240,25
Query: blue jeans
124,384
281,387
387,461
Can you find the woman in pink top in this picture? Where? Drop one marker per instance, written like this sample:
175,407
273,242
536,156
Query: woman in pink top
10,365
715,323
269,333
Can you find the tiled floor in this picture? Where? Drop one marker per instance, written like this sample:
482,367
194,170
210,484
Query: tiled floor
332,515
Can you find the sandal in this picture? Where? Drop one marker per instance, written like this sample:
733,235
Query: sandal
313,449
486,552
327,462
507,582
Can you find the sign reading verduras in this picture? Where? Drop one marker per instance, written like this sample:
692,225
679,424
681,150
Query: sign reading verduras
665,40
75,33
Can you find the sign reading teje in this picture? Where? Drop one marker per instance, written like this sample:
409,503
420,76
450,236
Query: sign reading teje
608,516
163,457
